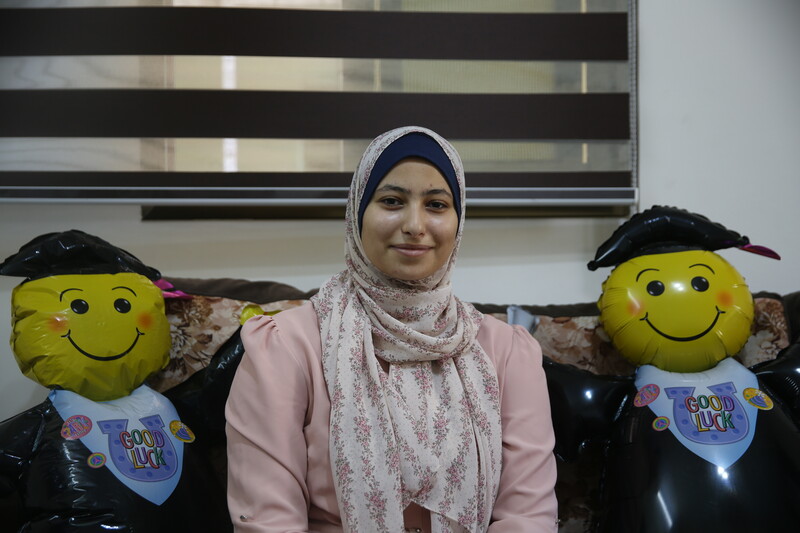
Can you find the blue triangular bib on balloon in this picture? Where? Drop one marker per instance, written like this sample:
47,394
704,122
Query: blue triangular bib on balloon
139,438
712,413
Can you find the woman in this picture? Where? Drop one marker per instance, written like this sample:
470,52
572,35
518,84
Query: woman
388,404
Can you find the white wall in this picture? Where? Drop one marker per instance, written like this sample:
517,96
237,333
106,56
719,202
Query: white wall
719,135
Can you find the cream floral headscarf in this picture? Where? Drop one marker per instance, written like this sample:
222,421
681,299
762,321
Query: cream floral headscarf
428,431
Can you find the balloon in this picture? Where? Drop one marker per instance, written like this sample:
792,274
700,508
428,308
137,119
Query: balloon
660,478
583,405
782,376
218,379
249,312
98,335
681,311
103,452
701,443
680,467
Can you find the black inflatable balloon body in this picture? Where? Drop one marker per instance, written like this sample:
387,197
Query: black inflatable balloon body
583,406
700,443
782,378
694,480
103,452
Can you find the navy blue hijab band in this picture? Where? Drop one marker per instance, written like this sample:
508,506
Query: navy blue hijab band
414,144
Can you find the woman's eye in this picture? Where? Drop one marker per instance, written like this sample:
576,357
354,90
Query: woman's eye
700,284
390,201
122,305
436,204
79,306
655,288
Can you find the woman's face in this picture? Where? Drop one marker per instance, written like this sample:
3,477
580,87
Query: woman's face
410,224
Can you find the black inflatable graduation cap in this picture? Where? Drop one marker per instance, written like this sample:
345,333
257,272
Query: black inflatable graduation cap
72,252
663,229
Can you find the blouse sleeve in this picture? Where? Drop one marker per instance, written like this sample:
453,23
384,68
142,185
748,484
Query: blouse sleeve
267,453
526,500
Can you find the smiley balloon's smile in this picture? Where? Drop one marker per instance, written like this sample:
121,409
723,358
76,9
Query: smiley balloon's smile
683,339
100,358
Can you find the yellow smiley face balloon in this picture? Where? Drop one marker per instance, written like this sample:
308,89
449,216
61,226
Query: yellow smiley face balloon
681,311
98,335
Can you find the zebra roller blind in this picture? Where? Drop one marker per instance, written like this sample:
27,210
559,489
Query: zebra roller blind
270,103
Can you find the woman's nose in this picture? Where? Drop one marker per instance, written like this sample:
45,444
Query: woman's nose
414,221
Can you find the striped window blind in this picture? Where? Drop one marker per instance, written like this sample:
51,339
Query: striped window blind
269,104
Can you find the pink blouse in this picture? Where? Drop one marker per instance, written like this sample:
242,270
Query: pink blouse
279,471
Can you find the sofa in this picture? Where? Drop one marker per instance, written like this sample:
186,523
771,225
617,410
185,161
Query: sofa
205,322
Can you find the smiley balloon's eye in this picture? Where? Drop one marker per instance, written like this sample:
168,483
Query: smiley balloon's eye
655,288
700,284
122,305
79,306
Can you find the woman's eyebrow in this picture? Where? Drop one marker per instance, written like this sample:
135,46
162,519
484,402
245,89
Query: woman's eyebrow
403,190
394,188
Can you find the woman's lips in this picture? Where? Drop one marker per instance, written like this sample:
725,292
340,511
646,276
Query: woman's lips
411,250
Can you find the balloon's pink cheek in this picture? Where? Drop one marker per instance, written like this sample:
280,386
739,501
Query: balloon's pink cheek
724,299
635,308
144,321
58,324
